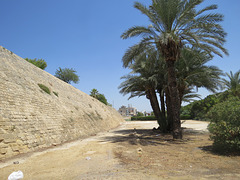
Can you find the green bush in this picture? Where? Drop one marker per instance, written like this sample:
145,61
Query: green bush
225,125
94,93
185,117
38,62
44,88
185,112
200,108
67,75
143,118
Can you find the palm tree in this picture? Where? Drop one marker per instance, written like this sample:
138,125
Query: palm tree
233,83
192,72
94,93
190,95
143,81
176,23
136,85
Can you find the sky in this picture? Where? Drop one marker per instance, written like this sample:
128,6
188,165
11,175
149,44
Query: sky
85,35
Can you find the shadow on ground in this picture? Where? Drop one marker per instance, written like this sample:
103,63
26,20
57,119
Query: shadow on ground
147,137
210,149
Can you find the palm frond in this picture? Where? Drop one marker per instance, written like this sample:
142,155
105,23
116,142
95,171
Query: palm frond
137,31
211,7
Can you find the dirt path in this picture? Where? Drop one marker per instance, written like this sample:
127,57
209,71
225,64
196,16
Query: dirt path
132,151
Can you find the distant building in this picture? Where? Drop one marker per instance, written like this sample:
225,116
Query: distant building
127,111
123,110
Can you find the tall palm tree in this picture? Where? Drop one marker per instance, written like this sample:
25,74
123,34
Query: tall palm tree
176,23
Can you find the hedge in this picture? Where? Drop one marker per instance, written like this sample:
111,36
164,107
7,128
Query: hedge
143,118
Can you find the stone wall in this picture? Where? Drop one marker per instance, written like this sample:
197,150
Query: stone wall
31,119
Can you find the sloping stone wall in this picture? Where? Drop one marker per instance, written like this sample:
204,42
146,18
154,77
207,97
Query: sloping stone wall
31,119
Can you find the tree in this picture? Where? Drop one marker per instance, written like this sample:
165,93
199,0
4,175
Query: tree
102,99
149,70
67,75
95,94
38,62
175,24
143,80
140,114
233,83
192,72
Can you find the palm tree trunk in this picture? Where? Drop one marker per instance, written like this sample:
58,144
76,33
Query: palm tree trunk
163,110
156,109
174,95
169,112
181,91
161,95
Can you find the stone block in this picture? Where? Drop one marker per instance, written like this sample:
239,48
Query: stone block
3,150
24,149
2,131
15,147
2,145
2,156
9,138
1,137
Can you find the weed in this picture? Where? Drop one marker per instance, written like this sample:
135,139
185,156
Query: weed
56,94
44,88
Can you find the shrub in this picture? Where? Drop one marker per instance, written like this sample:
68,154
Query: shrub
185,117
67,75
44,88
143,118
225,125
140,114
94,93
200,108
41,63
185,112
102,99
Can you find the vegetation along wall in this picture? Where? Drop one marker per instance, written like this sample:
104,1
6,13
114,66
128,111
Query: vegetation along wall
32,117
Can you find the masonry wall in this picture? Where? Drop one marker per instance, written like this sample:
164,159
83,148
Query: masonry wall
31,119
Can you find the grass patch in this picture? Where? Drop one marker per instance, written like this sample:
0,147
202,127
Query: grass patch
44,88
56,94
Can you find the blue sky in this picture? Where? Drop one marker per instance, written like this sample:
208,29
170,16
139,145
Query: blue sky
85,35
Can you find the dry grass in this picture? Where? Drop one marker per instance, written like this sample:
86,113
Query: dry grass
159,155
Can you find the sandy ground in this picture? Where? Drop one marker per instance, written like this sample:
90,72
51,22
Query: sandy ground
131,151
